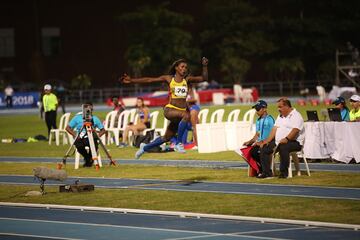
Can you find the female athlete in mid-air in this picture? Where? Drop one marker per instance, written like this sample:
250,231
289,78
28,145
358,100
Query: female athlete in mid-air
176,110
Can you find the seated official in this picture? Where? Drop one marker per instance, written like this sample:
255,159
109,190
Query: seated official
340,103
287,136
264,124
82,141
141,125
355,110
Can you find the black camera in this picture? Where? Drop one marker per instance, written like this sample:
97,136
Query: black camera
87,112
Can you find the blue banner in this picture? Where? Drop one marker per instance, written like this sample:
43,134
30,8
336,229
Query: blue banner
21,100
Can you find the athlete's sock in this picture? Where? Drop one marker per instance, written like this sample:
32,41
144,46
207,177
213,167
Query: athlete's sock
156,142
181,129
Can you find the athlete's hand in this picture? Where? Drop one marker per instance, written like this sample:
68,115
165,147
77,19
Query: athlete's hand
125,78
204,61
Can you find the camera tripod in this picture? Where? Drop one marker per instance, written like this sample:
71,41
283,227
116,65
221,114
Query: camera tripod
89,132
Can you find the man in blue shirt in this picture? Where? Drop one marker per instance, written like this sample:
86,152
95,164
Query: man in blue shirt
82,141
264,124
340,103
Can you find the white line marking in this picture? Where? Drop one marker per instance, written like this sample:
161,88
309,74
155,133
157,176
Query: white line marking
187,214
275,230
105,225
38,236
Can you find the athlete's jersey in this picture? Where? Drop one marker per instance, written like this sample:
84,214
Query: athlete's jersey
178,90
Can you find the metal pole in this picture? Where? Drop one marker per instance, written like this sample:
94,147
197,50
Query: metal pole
337,78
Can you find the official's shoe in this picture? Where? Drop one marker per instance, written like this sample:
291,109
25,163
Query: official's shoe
263,175
282,175
140,151
179,148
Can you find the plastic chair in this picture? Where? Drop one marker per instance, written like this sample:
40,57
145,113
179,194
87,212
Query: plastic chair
64,120
249,116
77,159
217,116
153,122
295,159
122,123
108,124
233,115
203,115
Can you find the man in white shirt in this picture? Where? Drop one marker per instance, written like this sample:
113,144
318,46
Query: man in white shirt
287,136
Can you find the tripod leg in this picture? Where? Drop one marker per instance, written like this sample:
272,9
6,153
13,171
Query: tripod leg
112,162
89,132
67,154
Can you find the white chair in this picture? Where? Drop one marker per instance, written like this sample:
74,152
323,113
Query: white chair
153,122
64,120
295,159
247,95
203,115
211,137
218,98
321,92
237,92
122,123
249,116
217,116
161,131
233,115
77,159
132,116
108,124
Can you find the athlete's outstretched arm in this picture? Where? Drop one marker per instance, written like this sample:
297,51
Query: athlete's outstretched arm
127,79
204,75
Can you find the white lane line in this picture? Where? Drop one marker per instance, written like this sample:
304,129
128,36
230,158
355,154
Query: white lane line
274,230
244,234
106,225
38,236
231,235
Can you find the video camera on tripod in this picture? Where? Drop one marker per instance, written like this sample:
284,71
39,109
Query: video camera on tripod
87,112
92,136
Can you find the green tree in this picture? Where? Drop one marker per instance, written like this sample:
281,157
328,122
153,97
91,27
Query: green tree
237,34
81,81
157,36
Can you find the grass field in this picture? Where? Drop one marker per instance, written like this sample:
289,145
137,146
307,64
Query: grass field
24,126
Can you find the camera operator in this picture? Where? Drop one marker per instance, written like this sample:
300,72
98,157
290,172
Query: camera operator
82,142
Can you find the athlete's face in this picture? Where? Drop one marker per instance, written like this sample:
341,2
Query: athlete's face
181,69
139,103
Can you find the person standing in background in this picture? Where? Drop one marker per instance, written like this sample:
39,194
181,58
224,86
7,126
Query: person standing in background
9,91
61,94
50,104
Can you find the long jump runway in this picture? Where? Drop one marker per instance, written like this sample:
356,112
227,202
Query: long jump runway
23,222
339,167
200,186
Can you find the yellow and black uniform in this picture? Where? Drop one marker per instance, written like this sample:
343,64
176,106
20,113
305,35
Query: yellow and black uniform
177,90
50,103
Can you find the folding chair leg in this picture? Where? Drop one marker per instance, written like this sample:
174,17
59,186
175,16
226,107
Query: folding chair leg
50,138
307,166
77,159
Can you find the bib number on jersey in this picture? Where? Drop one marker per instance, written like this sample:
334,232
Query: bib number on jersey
180,91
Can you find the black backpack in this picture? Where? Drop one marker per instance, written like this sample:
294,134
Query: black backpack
148,137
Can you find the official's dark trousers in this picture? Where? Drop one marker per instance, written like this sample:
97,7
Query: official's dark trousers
81,144
50,119
255,154
284,150
9,102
